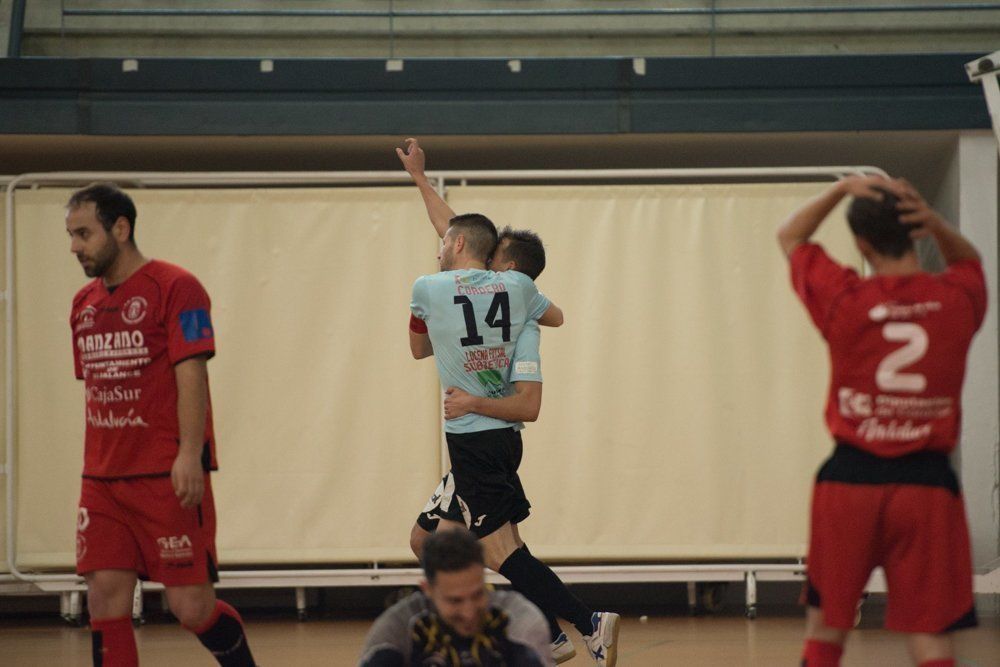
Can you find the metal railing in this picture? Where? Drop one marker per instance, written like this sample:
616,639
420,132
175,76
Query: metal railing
529,12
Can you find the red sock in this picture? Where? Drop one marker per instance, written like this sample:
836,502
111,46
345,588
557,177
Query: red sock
950,662
821,654
223,635
113,642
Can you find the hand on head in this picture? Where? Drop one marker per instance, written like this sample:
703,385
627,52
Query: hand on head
914,211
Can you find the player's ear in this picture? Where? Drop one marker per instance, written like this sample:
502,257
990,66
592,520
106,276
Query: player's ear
120,230
459,243
425,587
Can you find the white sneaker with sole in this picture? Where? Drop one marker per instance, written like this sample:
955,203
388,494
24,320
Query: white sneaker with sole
603,642
562,649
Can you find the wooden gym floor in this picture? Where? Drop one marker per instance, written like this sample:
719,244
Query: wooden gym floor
723,641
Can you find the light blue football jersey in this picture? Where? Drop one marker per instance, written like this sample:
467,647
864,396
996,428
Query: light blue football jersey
475,318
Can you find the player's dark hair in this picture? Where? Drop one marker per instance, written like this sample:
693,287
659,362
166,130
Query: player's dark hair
450,551
479,231
525,249
878,223
110,204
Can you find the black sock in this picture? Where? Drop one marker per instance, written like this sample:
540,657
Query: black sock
554,629
536,581
226,639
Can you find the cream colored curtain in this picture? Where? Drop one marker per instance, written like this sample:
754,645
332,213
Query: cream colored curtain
682,405
682,410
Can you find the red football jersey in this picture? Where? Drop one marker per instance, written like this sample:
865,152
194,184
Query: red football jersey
898,346
125,345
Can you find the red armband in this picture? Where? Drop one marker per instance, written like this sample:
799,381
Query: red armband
417,325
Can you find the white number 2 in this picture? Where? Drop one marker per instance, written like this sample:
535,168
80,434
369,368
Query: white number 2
888,377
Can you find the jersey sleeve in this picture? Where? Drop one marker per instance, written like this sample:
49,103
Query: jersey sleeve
968,276
188,320
419,300
535,302
527,362
818,280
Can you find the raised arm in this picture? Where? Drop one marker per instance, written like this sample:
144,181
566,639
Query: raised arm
522,406
915,211
804,222
437,208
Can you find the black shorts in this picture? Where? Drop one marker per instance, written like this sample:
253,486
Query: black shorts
482,489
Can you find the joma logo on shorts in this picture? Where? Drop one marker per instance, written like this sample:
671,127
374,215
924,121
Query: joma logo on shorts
173,542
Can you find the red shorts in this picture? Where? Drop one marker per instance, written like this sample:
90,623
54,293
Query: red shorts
916,533
138,524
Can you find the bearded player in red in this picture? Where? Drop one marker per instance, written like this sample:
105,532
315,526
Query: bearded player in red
898,344
142,336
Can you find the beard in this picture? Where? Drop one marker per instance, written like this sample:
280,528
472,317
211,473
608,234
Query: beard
447,259
98,265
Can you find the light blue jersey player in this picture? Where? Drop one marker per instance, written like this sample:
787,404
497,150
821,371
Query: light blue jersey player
483,490
474,319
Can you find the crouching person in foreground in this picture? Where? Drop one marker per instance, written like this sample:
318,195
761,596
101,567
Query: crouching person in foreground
454,619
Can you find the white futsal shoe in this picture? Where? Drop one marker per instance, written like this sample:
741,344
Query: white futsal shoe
562,649
603,642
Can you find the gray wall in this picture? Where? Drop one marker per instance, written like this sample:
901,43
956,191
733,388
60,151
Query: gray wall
51,33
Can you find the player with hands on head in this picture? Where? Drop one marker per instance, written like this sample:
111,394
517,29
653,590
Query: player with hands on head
898,345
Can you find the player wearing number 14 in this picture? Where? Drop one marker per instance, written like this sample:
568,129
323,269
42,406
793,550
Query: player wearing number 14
898,343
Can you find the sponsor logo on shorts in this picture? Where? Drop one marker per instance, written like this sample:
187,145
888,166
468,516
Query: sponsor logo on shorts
82,519
479,521
134,310
175,548
81,547
466,514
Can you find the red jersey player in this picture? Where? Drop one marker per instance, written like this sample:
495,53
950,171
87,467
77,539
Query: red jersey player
898,342
142,336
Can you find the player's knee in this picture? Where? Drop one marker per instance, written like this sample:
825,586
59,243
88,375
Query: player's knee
108,595
192,608
193,614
